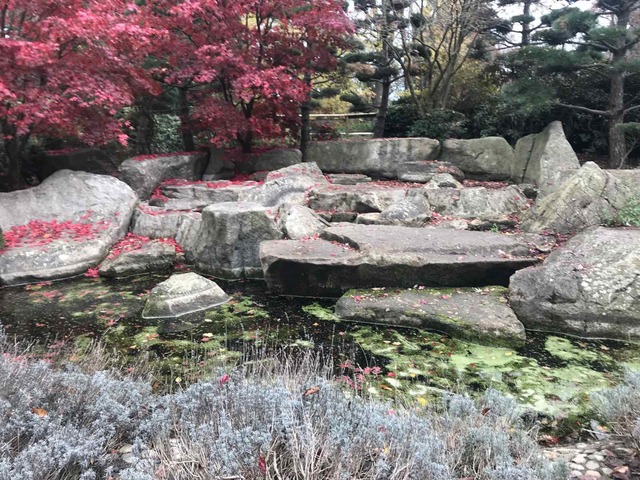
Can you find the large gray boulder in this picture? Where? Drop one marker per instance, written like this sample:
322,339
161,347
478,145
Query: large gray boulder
145,173
365,256
477,315
376,158
179,302
489,158
76,217
423,172
287,185
476,202
274,159
299,222
591,196
226,242
362,198
629,178
590,287
89,160
545,159
157,222
153,256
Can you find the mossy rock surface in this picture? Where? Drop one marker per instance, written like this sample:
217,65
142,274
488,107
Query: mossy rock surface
551,375
475,314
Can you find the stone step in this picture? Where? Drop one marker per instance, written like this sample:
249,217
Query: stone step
364,256
474,314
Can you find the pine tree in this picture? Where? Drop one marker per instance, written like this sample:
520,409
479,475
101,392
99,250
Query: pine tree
578,43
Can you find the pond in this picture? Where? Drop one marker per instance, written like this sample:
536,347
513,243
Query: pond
549,373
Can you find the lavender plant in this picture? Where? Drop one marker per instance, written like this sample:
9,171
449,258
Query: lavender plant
256,423
619,407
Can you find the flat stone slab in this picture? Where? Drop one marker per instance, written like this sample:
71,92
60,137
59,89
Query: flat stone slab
365,256
180,298
199,195
348,178
477,315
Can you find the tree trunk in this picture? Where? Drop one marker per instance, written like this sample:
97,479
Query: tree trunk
245,139
144,132
185,120
305,122
526,26
11,167
617,144
381,117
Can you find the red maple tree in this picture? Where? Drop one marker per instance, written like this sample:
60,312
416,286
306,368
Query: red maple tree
242,63
66,69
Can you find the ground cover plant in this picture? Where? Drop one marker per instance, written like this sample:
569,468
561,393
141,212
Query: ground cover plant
280,417
620,408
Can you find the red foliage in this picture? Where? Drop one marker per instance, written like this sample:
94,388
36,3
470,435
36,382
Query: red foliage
485,184
158,195
239,179
142,158
244,61
133,242
68,67
38,233
92,273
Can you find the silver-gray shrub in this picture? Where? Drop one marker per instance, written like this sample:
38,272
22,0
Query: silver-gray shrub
619,407
65,423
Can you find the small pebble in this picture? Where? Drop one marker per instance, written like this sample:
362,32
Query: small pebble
575,466
596,456
128,458
575,474
591,465
579,459
126,449
606,471
592,474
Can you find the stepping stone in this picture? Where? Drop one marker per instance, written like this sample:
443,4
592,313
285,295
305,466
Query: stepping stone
477,315
180,301
364,256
